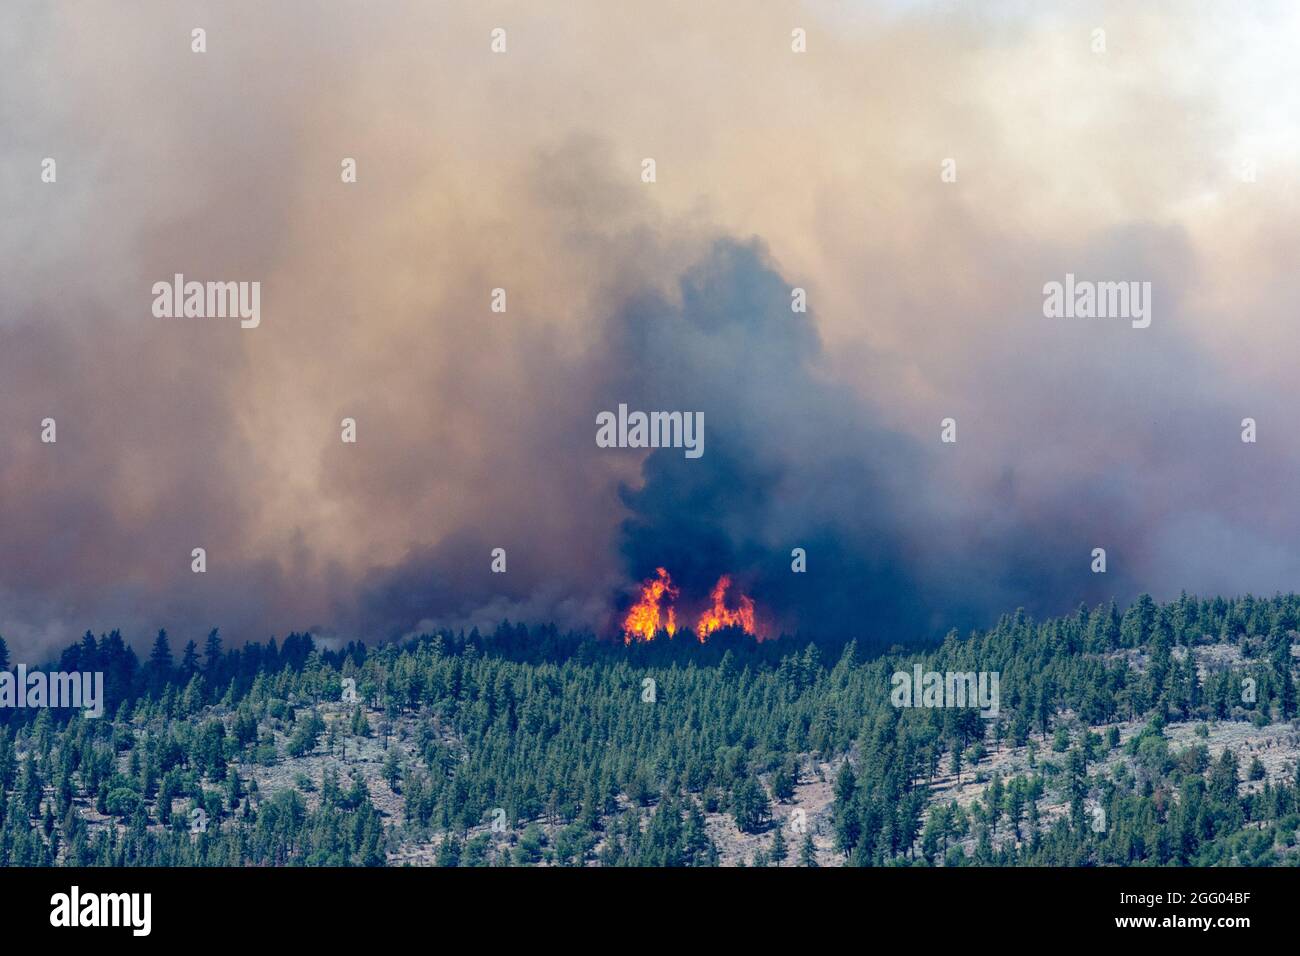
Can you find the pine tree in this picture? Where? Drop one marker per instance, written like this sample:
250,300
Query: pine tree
779,850
749,805
807,852
212,653
449,851
360,725
392,769
189,661
160,663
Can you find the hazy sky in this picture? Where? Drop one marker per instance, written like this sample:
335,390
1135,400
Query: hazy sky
522,170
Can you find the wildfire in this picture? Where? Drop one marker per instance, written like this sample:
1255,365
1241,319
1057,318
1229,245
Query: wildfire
643,619
720,616
655,611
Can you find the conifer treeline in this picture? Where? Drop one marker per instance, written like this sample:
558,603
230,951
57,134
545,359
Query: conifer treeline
554,738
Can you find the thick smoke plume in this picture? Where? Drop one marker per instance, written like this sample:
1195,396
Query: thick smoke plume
521,171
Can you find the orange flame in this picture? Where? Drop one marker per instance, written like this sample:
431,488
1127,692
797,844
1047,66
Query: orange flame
720,616
643,619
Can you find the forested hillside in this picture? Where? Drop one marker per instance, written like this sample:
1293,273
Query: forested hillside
1162,735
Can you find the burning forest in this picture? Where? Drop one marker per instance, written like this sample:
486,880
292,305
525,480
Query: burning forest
655,611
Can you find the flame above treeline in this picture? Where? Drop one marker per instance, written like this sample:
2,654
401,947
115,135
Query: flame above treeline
655,611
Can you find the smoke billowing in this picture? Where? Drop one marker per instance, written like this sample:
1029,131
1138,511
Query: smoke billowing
521,171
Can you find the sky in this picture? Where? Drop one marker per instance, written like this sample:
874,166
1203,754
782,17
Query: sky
1164,150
